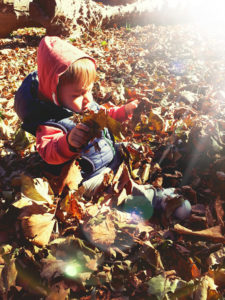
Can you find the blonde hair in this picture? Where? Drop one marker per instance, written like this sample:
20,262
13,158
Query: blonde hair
82,72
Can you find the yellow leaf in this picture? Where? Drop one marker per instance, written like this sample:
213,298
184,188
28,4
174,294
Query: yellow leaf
38,228
22,139
155,121
70,176
28,188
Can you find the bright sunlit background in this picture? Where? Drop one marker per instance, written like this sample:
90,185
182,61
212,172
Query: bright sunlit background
209,13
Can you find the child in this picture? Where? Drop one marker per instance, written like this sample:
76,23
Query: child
48,98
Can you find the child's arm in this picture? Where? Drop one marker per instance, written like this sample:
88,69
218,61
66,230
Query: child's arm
54,145
123,112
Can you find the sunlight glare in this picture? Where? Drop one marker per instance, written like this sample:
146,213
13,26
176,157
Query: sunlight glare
71,270
209,13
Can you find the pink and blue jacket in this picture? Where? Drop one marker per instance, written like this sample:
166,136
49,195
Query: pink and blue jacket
37,105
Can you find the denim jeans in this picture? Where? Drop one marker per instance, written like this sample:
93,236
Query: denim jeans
144,199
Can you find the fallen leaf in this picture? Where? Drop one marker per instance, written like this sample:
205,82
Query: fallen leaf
145,173
70,205
214,233
216,258
38,228
70,176
8,276
219,210
195,272
159,286
122,179
29,207
155,121
52,268
101,232
219,277
22,139
58,290
28,188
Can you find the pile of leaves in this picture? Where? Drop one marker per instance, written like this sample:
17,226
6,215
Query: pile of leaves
56,243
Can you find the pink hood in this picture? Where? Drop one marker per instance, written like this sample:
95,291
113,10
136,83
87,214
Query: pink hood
54,57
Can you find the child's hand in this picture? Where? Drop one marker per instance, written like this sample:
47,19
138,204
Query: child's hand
130,107
79,136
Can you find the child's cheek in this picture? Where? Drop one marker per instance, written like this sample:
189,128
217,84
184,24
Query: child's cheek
76,104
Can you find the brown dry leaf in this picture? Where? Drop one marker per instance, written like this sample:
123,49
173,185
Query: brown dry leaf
155,122
58,291
209,217
195,272
142,227
99,191
213,295
29,189
92,210
38,228
102,232
151,255
52,268
219,277
22,139
103,120
70,176
214,233
219,210
8,276
201,292
71,206
29,207
216,258
91,263
121,197
183,111
5,130
122,179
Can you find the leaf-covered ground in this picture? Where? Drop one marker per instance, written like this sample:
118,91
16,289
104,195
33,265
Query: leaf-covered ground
57,245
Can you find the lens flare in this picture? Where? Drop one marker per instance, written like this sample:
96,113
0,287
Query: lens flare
71,270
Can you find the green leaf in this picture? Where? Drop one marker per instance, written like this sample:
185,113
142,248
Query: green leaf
22,139
8,276
160,286
1,115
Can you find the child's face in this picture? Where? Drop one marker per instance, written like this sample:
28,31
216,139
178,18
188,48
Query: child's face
74,97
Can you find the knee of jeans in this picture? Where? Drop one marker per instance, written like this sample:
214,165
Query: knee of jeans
183,211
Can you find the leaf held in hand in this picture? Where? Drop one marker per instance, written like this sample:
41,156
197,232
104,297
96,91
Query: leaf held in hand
103,120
